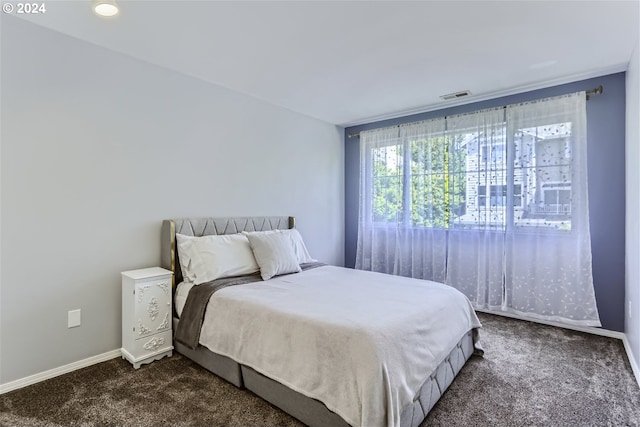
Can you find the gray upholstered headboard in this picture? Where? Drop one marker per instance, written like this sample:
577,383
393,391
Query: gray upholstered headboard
211,226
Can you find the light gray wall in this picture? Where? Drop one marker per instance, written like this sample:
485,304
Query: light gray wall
632,310
97,149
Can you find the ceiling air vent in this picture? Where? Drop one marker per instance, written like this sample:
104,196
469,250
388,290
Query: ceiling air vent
455,95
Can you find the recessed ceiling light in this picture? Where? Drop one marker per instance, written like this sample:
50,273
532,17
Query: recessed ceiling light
105,8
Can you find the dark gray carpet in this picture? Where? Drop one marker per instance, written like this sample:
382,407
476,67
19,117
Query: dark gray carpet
531,375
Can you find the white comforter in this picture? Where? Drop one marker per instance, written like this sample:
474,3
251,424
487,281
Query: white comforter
362,343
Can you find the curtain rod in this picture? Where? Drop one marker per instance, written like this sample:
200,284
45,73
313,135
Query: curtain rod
595,91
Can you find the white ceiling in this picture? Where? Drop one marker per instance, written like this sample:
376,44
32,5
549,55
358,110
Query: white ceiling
350,62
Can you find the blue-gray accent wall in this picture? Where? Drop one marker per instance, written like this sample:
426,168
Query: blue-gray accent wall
606,174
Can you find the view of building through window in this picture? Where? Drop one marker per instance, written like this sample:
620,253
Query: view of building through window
467,180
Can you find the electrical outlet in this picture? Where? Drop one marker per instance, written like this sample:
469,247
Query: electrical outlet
73,318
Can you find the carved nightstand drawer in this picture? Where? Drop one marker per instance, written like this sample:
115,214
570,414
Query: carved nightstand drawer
146,315
150,346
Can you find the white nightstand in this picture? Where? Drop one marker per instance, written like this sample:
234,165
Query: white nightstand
146,315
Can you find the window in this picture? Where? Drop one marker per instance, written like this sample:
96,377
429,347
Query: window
387,183
546,172
517,195
482,196
497,154
464,179
492,202
556,199
498,196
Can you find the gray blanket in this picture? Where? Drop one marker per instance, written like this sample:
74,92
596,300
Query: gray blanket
190,324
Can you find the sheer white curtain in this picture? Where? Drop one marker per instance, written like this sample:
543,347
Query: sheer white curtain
421,235
548,271
381,166
476,236
493,203
401,176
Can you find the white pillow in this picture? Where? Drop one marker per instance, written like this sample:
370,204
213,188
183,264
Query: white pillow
274,254
299,248
213,257
184,244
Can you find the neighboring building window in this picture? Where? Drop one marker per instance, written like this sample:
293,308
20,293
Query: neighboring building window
517,195
556,198
482,196
498,196
492,154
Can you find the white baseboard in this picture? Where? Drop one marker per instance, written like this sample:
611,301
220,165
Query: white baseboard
587,329
632,360
51,373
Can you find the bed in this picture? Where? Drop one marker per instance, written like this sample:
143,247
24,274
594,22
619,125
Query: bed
308,343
